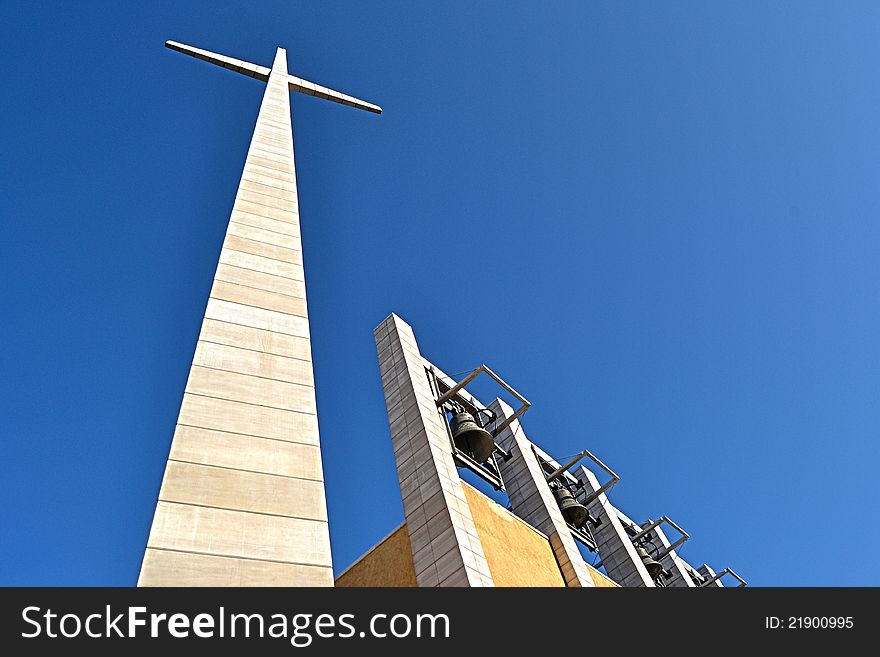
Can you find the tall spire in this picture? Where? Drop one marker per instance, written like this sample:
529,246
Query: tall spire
242,499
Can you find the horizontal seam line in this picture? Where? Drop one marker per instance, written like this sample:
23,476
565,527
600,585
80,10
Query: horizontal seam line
286,137
225,508
254,214
260,255
249,435
290,202
287,148
310,386
294,198
254,182
259,472
256,271
257,328
251,287
286,182
232,556
256,351
261,144
259,137
290,278
238,401
292,174
280,128
249,160
256,376
251,305
277,246
252,155
269,310
263,205
282,119
279,117
290,196
232,221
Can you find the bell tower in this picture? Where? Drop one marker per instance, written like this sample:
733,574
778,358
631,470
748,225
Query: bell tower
545,522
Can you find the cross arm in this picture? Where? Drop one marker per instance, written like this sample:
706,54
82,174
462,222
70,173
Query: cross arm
233,64
312,89
262,73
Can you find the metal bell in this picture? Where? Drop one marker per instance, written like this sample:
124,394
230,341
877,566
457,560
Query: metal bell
653,567
470,437
573,511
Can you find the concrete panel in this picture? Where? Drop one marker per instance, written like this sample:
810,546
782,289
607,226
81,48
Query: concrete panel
271,163
270,146
280,156
259,221
246,361
267,136
268,320
287,241
260,281
266,211
254,247
256,339
250,389
269,190
168,568
208,485
188,528
250,175
264,149
251,296
248,419
265,265
234,450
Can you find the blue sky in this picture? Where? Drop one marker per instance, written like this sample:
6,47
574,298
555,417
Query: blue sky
659,222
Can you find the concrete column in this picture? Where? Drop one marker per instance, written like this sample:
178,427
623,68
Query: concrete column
532,500
242,498
616,551
446,547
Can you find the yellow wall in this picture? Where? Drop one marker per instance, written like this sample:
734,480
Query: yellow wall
600,580
517,554
390,563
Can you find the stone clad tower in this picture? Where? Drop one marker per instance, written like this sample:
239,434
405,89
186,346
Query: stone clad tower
242,499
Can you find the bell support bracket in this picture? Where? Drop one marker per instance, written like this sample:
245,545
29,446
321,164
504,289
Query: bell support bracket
656,523
726,571
614,478
454,390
